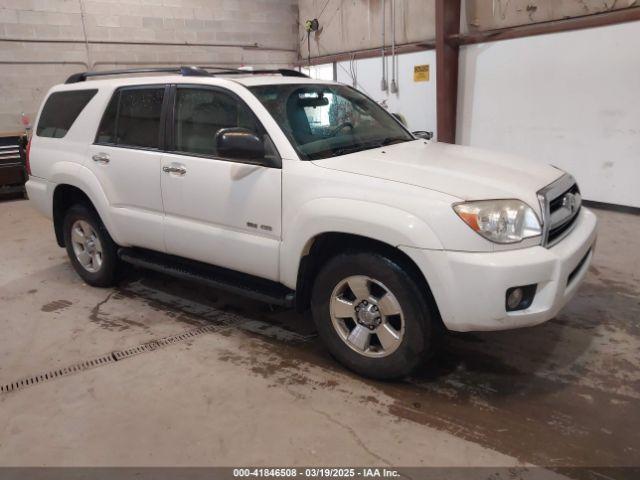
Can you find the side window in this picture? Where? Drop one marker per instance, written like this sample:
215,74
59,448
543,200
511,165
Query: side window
132,118
139,117
61,110
107,129
201,113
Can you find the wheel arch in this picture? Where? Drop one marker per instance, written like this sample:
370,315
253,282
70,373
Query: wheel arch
366,219
326,245
74,182
64,197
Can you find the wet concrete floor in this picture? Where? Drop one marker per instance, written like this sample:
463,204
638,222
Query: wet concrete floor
563,394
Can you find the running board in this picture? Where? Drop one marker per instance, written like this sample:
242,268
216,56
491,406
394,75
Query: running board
217,277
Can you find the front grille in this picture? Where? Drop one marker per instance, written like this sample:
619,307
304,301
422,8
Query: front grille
561,203
556,203
556,234
557,230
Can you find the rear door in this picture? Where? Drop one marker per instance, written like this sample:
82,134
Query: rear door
126,159
221,211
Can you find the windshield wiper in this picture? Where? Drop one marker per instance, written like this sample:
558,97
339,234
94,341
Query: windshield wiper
392,140
366,146
345,150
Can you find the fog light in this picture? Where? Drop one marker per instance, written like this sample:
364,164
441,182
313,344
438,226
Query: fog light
514,298
519,298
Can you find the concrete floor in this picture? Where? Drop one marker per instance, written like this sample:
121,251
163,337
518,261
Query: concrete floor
259,388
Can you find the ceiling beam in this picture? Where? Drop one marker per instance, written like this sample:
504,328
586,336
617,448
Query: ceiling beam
553,26
367,53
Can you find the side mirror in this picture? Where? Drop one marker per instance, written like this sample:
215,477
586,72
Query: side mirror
400,118
423,134
240,144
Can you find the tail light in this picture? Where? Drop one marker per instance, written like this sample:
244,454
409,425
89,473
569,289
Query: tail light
27,164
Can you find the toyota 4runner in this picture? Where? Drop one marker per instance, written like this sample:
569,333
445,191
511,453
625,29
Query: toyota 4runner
306,194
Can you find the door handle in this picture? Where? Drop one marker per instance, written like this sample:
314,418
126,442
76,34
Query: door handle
177,169
101,158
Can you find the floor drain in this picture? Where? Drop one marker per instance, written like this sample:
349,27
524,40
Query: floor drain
106,359
163,342
61,372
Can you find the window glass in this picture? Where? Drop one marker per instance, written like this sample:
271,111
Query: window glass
61,110
107,129
323,121
201,113
138,122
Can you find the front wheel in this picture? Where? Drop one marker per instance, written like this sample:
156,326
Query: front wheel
372,315
91,250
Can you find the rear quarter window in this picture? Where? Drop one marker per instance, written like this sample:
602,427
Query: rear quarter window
60,111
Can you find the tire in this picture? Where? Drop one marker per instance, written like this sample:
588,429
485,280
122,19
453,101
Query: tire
384,356
101,270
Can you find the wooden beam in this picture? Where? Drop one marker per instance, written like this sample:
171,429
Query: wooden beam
554,26
447,26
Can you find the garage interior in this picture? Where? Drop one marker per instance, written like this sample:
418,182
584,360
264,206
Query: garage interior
163,372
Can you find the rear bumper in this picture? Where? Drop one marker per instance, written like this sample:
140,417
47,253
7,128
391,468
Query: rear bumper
40,193
470,288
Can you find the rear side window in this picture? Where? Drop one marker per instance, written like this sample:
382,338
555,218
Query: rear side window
132,118
61,110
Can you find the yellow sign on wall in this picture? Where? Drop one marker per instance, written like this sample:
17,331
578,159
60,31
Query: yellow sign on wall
421,73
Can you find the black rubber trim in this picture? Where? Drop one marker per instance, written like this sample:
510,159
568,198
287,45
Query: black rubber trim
613,207
217,277
578,267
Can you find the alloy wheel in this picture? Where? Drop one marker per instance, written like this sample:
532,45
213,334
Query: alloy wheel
367,316
86,246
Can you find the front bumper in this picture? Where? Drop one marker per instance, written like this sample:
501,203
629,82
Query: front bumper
469,287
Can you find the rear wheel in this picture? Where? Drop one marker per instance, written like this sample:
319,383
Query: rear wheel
372,315
91,250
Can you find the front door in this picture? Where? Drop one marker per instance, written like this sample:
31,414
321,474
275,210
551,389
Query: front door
222,211
126,158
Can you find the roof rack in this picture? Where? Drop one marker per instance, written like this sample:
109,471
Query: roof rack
186,71
285,72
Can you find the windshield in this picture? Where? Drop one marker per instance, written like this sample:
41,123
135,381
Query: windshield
323,121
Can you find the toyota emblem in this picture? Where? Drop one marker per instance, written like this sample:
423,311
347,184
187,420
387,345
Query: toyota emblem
569,201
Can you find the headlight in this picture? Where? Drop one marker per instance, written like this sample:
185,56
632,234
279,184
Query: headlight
500,221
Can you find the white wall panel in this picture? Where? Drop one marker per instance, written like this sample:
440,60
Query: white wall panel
415,100
570,99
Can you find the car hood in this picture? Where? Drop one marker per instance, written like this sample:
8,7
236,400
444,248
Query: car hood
464,172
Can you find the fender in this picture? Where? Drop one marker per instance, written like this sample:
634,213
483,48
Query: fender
386,224
78,176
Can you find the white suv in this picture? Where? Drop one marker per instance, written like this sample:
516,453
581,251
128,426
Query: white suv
307,194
